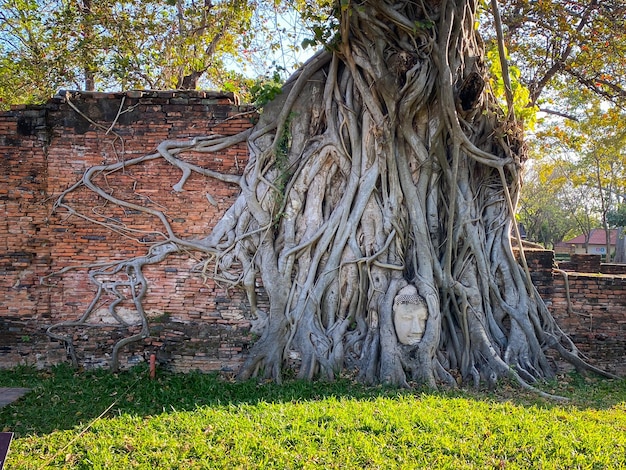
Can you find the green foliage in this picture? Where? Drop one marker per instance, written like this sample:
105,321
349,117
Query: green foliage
282,166
521,94
562,45
321,17
203,36
47,44
424,24
282,155
590,154
200,421
617,217
265,90
550,206
51,44
564,56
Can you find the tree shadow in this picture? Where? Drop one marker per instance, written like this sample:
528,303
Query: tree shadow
63,398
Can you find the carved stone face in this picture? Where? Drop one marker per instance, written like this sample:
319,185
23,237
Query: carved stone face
409,315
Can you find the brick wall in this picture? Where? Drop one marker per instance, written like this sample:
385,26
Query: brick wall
46,149
596,319
613,268
194,324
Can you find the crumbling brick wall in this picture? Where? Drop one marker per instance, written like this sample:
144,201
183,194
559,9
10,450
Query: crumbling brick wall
596,316
596,321
195,323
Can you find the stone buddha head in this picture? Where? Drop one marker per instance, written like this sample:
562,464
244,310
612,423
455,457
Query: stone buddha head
410,313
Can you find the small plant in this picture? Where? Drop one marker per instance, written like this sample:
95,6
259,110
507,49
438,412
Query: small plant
282,155
162,318
282,166
266,89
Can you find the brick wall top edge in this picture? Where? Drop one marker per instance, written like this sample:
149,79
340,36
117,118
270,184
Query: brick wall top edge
190,94
230,97
534,250
597,276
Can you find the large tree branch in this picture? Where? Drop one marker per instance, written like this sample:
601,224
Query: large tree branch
537,88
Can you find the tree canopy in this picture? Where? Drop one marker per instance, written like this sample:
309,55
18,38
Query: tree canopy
584,163
123,44
549,209
562,44
570,57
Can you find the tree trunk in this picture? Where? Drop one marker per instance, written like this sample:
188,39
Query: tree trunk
607,243
381,183
190,81
400,173
620,246
87,33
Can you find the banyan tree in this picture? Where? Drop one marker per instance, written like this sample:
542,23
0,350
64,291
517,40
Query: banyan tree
377,211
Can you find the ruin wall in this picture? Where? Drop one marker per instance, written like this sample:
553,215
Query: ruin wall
44,150
195,323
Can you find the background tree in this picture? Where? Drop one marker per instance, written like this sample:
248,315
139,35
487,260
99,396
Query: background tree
563,44
200,35
383,179
567,52
48,44
558,207
121,44
617,217
548,207
552,200
28,71
591,155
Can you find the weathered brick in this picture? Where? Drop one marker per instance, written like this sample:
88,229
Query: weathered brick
193,324
56,241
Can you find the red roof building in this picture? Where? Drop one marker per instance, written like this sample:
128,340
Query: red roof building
595,246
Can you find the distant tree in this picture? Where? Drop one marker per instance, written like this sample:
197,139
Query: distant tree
545,207
564,44
553,201
570,53
590,155
122,44
617,216
198,38
599,139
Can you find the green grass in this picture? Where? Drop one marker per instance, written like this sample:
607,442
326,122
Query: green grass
197,421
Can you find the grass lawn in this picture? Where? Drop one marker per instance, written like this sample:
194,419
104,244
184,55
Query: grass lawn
198,421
